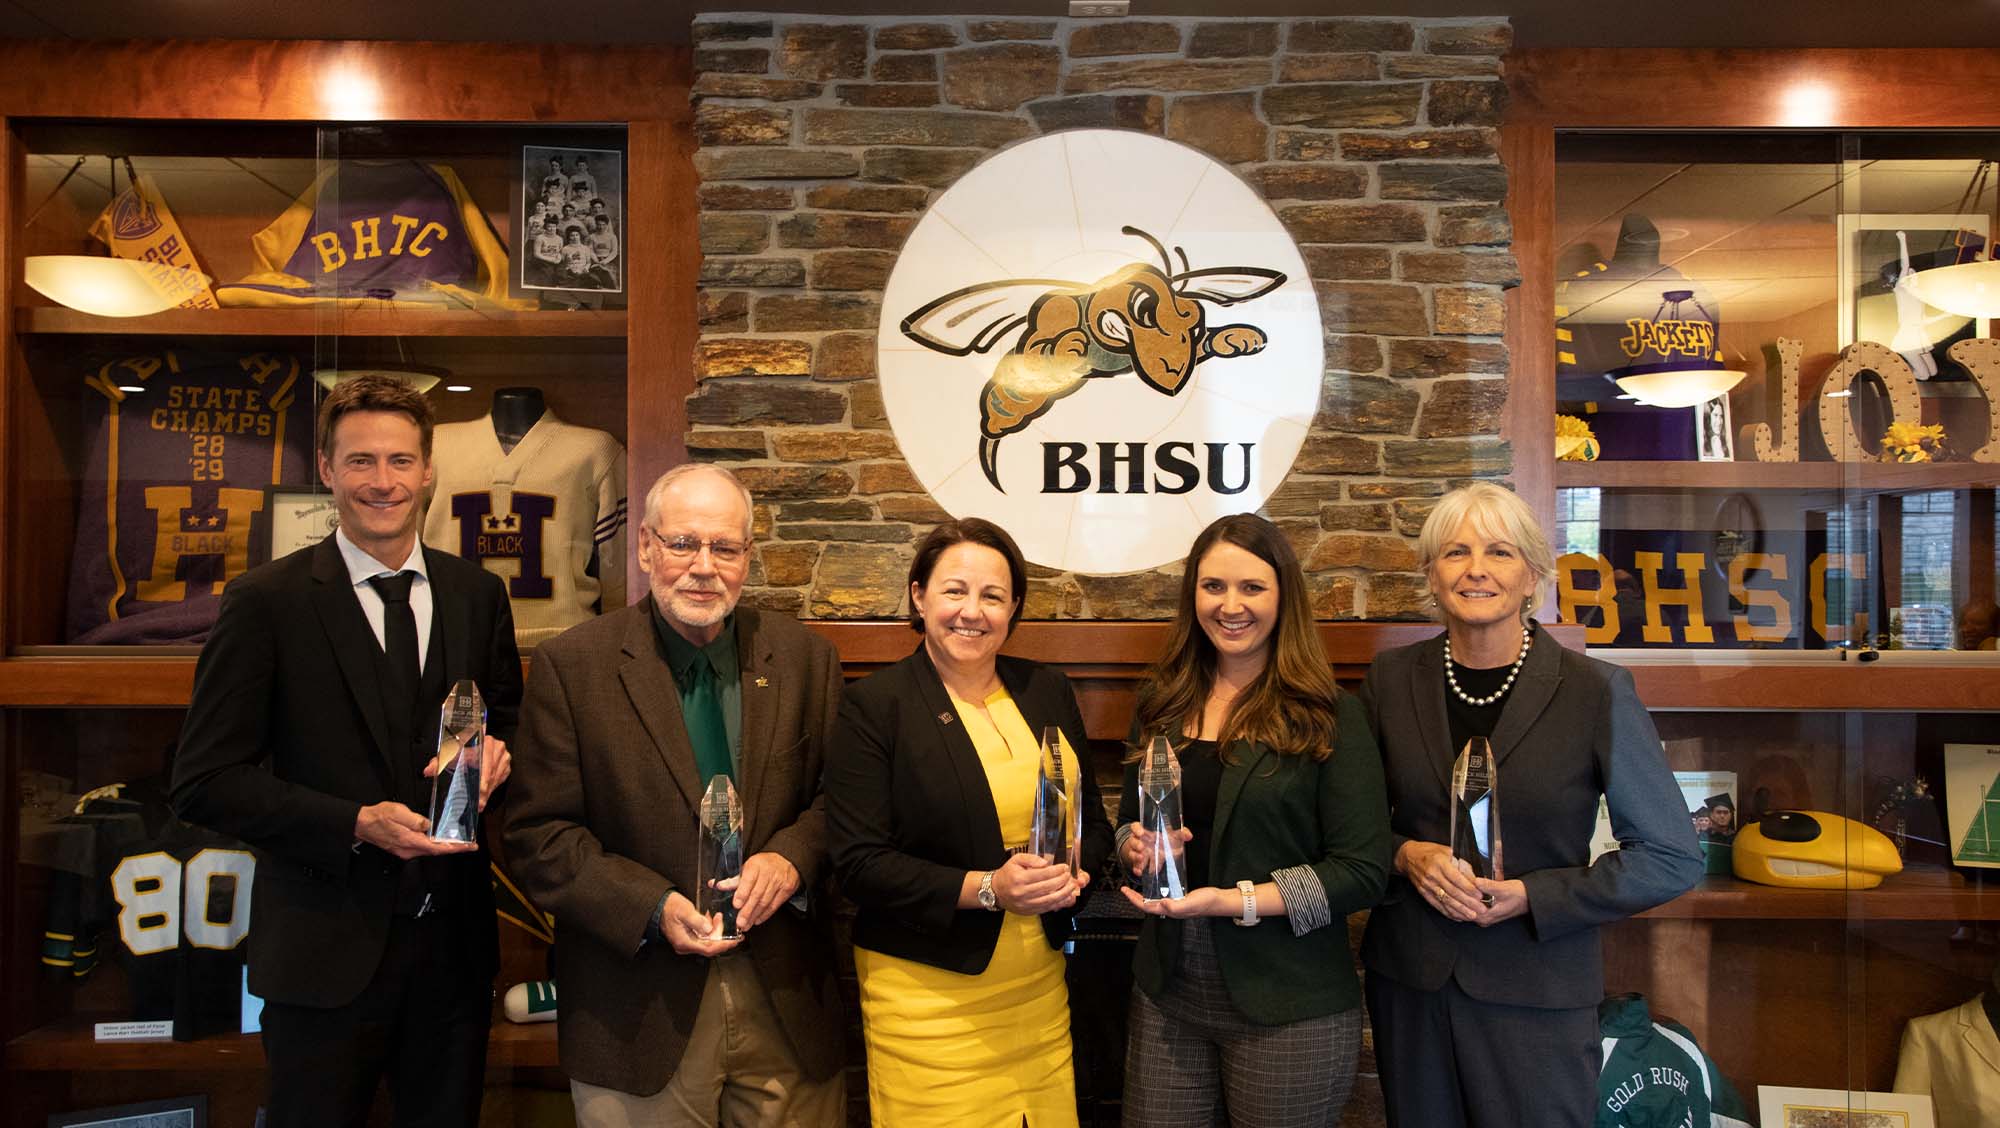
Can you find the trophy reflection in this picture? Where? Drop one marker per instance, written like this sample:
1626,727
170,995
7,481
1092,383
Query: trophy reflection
720,858
1475,811
1058,820
1160,877
461,746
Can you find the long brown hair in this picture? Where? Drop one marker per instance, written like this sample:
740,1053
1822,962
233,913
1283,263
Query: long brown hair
1290,706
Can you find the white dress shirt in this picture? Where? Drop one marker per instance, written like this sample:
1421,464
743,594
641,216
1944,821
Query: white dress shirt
362,567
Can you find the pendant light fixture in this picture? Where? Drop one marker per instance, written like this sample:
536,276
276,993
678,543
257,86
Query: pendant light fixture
104,285
1687,383
1968,289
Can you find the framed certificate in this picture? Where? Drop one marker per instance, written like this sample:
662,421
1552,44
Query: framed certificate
299,518
1784,1107
180,1112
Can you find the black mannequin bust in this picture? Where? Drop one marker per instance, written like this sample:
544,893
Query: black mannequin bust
515,411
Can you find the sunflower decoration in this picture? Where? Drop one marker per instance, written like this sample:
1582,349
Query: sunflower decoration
1914,442
1574,441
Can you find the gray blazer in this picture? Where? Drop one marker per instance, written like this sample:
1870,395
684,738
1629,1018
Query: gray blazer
1572,727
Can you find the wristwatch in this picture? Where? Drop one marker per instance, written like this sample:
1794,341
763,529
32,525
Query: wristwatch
987,900
1249,917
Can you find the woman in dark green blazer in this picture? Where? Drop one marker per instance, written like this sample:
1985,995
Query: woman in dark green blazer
1287,832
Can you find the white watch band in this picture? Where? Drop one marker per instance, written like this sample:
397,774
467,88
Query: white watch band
1249,891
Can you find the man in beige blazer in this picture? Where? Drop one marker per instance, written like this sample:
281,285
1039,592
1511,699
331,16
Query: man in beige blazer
1954,1057
625,720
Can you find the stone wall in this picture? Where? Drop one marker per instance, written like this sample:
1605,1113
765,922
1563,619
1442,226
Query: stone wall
821,142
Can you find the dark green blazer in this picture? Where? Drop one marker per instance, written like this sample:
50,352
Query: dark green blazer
1274,812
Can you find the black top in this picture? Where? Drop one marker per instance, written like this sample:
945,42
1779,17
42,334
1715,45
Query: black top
1468,721
1201,784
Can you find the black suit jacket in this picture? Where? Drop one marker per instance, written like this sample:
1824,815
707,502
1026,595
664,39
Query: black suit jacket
285,741
909,811
1572,728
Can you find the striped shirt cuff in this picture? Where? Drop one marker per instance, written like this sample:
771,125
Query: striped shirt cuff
1305,899
1119,838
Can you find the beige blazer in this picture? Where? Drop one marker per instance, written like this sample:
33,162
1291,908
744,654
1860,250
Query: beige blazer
1953,1057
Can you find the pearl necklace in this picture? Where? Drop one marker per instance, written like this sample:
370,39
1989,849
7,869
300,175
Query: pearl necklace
1451,679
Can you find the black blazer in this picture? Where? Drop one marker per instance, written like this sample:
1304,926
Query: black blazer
909,812
1572,728
285,742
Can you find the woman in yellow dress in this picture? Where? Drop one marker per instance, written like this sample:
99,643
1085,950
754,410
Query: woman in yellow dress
930,788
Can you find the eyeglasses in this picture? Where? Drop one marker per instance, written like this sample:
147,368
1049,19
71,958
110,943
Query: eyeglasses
684,547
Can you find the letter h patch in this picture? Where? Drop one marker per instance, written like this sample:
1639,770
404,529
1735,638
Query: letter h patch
517,534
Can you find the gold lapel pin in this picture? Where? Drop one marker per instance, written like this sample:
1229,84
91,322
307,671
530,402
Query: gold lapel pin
763,683
945,717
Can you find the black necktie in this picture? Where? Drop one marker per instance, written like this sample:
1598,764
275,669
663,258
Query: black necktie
399,634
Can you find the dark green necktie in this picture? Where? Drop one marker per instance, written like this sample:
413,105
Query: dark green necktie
702,707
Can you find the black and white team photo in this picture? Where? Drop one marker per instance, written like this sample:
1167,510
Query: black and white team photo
572,219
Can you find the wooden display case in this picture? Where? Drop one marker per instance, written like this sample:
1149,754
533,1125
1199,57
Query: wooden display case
229,149
1780,986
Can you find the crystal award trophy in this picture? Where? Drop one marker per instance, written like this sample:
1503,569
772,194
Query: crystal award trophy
461,747
1058,820
720,858
1475,811
1161,875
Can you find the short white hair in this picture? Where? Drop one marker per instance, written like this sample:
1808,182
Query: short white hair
664,482
1496,512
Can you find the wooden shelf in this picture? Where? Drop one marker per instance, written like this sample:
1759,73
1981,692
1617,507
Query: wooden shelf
329,323
131,682
70,1045
1918,893
1104,660
1709,680
1863,477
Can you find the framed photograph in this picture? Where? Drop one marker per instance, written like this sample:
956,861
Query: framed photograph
1711,802
177,1112
1972,803
1711,431
299,518
570,228
1782,1107
1874,253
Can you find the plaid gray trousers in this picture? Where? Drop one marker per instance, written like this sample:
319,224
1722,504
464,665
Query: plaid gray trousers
1192,1059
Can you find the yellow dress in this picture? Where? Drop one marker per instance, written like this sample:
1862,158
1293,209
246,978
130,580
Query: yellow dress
966,1051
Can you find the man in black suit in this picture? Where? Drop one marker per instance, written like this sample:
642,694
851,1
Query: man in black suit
310,737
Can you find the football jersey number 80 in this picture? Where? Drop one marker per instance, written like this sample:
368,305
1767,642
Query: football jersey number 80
158,899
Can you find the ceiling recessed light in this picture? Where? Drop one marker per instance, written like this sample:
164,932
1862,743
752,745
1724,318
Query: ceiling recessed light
1807,105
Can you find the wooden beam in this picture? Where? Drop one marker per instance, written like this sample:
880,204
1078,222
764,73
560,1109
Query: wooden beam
1826,88
331,81
1528,423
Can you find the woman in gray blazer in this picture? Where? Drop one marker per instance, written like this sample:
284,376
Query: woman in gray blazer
1483,993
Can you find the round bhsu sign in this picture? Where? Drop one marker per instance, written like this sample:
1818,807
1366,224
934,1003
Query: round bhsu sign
1102,341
